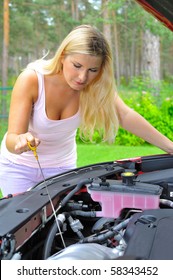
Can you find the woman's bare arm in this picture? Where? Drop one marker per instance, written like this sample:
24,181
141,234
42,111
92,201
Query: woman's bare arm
136,124
23,97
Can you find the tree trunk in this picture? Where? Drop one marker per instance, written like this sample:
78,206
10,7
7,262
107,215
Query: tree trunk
5,55
74,9
133,53
116,47
106,23
151,58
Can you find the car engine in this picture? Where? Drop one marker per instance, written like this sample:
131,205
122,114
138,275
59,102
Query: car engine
106,211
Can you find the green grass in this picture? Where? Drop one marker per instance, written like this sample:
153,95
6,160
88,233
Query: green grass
95,153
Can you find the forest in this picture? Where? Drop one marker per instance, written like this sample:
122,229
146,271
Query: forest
142,46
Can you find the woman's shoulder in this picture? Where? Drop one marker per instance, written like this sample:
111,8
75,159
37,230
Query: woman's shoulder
27,82
28,74
28,78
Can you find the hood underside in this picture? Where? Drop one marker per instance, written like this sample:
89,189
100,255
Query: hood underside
160,9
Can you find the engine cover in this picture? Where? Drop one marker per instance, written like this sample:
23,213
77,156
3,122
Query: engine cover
149,235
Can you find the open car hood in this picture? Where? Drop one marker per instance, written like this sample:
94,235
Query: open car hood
161,9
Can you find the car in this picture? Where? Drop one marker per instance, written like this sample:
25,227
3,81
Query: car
114,210
162,10
110,210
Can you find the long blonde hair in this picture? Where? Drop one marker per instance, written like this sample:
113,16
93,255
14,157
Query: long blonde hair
97,100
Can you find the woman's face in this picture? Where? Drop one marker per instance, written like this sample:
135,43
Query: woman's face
80,70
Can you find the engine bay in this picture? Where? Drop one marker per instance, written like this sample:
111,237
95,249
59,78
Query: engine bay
111,210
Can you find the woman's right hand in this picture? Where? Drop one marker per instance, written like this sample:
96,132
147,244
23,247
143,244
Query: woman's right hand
22,140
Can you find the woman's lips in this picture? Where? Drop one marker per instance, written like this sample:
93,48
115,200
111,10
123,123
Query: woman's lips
79,83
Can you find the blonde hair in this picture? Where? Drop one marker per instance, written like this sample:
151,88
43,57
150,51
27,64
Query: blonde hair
97,100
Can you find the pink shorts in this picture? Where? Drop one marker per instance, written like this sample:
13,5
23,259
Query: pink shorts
15,178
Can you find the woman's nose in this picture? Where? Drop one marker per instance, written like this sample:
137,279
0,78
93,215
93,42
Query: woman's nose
83,76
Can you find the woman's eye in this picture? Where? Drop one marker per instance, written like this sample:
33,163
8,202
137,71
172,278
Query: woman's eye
93,70
77,66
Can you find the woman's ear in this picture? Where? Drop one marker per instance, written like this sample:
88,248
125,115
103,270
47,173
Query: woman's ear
62,58
61,62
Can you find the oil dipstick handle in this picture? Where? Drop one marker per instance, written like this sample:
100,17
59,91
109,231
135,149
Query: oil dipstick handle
33,149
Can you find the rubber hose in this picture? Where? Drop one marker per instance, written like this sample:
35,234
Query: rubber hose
77,188
50,238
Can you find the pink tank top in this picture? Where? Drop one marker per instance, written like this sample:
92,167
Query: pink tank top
58,145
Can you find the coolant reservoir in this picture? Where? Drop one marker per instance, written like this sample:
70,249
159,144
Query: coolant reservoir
115,195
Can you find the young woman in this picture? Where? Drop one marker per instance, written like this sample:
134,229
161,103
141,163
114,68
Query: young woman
52,98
